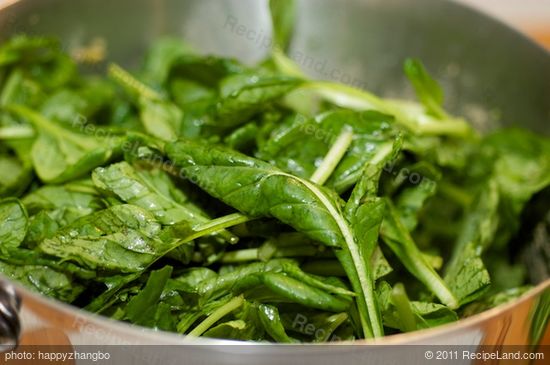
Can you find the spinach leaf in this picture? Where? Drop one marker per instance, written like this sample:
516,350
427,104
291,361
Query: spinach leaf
491,301
193,277
426,315
15,176
160,117
302,293
59,154
298,148
220,312
249,314
412,116
366,225
403,308
232,330
41,226
122,238
206,70
151,190
141,308
20,89
44,280
110,193
326,325
244,95
396,236
25,50
14,224
466,274
62,204
248,276
258,189
410,202
192,96
282,17
160,59
521,169
72,107
269,316
427,89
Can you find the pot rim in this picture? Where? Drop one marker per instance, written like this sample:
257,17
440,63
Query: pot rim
170,338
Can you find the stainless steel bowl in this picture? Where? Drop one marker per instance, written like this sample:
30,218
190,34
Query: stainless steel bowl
491,74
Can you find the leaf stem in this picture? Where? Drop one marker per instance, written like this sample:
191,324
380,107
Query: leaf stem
255,254
16,132
131,83
217,315
44,124
216,225
347,96
211,227
11,86
401,243
248,254
333,157
403,306
409,114
366,284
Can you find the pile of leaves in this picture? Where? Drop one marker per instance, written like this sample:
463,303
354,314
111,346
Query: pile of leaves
206,197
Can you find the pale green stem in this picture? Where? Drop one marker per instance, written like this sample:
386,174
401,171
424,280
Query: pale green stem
211,227
128,80
333,157
403,306
16,132
249,254
217,315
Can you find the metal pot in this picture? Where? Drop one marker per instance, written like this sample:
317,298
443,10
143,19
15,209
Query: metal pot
488,71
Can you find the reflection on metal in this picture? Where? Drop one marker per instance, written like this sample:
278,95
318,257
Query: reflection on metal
539,318
6,3
10,325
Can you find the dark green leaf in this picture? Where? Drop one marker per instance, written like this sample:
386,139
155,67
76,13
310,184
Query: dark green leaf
122,238
151,190
142,308
61,203
59,154
269,316
232,330
242,96
14,223
396,236
160,117
466,274
297,148
15,176
44,280
258,189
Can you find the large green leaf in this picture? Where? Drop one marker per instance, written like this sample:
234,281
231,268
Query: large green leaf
59,154
258,189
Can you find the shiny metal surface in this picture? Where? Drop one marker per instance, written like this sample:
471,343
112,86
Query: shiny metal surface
10,324
490,73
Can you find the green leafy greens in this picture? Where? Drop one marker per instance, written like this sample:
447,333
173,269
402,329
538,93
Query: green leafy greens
210,198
